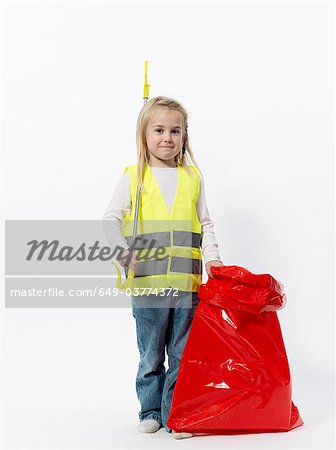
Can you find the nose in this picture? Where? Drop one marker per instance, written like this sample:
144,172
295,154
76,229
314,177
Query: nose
167,137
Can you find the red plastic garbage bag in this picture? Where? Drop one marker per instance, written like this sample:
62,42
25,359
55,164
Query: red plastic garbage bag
234,375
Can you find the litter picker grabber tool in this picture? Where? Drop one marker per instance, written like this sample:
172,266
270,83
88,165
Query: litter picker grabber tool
130,275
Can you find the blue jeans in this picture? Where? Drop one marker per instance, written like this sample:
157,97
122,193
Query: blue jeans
161,322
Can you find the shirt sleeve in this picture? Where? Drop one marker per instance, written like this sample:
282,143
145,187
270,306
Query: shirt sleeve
209,243
113,218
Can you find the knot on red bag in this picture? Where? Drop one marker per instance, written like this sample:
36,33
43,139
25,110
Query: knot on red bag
234,287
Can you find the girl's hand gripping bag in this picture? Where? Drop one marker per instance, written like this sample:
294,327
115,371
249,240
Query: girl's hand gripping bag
234,374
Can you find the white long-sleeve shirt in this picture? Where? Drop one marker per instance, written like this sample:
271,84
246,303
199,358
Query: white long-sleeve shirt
167,179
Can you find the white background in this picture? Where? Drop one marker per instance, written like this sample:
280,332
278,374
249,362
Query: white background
257,81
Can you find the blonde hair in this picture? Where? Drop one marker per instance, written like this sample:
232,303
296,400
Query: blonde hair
145,115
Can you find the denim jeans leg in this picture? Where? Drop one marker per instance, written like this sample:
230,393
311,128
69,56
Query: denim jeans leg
151,326
179,326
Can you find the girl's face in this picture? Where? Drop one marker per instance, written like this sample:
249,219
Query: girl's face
164,136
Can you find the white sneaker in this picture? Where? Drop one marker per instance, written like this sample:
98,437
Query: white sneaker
148,426
183,435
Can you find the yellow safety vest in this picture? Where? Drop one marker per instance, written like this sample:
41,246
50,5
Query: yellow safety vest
179,232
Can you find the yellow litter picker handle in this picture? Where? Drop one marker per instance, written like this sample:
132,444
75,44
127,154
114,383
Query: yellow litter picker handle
130,275
128,284
146,85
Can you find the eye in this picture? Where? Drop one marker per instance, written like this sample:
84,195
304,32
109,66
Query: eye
173,131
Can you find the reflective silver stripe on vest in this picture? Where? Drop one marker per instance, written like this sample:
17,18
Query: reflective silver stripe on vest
187,239
158,239
152,267
162,239
186,265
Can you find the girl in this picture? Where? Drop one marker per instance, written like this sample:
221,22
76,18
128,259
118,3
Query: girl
173,214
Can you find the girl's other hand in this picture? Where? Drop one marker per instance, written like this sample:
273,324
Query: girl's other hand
210,264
